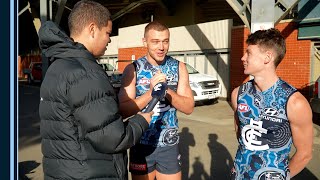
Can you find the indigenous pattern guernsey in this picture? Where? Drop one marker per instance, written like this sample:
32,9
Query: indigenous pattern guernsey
163,129
265,137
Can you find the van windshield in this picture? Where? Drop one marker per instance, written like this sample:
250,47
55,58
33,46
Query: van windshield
191,70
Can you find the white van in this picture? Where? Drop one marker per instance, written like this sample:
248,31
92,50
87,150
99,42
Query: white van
204,87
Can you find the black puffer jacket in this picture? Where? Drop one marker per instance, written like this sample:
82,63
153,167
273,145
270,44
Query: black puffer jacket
83,136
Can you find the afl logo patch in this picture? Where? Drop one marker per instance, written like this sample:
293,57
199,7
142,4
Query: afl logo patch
243,107
144,81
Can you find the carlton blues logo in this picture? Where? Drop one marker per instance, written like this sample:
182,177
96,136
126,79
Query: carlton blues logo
250,134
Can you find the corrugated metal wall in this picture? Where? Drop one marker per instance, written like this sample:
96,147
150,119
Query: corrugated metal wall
112,48
210,35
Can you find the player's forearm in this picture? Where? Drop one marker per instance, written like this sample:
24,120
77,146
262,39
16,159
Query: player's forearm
299,162
183,104
125,111
133,106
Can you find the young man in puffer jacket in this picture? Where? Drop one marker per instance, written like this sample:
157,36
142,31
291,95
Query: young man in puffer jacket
83,135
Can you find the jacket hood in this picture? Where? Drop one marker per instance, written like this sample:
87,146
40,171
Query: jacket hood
55,43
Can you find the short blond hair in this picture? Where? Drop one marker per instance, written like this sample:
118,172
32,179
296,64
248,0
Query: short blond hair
155,25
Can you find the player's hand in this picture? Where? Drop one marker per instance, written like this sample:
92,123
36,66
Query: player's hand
147,116
158,77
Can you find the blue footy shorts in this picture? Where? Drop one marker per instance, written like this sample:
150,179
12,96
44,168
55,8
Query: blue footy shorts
145,159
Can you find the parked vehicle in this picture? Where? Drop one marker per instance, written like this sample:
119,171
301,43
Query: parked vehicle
108,68
115,80
315,101
34,72
205,88
113,74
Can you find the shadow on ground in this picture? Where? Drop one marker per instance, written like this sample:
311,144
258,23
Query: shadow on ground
305,174
26,167
29,120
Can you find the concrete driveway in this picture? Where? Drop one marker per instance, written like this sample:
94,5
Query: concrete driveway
215,144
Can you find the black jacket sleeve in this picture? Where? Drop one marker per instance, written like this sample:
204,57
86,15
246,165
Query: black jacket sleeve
96,110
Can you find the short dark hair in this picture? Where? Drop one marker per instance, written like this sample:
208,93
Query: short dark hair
269,39
85,12
155,25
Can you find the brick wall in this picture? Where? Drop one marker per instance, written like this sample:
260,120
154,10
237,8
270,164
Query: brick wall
294,68
24,62
125,55
238,45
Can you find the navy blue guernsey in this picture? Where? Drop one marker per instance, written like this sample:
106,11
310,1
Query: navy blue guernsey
265,137
163,128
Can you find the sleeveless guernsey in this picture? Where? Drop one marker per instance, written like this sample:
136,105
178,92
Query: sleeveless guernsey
163,129
265,138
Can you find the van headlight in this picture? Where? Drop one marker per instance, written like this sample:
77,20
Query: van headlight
194,85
